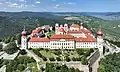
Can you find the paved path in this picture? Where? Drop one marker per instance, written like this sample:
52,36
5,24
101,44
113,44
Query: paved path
3,68
37,59
95,66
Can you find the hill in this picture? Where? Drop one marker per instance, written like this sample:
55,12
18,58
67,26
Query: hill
13,22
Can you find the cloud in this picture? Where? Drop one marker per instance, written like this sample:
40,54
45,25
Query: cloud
37,2
33,5
57,6
71,3
1,3
53,0
22,0
15,5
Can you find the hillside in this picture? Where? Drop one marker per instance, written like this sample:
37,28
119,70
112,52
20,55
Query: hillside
12,23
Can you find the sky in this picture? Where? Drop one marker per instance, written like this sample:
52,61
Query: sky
60,5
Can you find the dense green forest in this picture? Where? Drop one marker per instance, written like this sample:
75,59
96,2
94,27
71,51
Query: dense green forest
110,63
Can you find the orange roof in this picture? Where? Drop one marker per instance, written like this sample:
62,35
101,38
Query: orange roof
34,39
75,25
37,30
61,36
85,31
74,32
88,39
59,39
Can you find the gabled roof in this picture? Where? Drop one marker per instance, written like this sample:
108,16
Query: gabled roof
61,36
75,26
88,39
34,39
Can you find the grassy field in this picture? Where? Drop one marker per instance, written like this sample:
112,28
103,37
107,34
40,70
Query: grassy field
111,29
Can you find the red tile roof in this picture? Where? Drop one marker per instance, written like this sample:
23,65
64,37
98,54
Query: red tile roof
37,30
77,32
34,39
59,39
60,36
88,39
75,26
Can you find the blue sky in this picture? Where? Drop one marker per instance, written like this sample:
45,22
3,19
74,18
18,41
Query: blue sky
60,5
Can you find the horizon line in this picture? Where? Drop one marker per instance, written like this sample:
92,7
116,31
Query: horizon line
62,11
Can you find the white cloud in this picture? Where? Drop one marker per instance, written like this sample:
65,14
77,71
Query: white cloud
57,5
1,3
71,3
53,0
22,0
15,5
8,2
37,2
33,5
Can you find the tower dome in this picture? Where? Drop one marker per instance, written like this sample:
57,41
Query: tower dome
65,24
24,33
56,24
61,29
81,24
100,33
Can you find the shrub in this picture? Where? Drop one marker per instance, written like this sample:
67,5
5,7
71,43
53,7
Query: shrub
44,58
52,59
67,59
42,69
58,58
84,61
37,52
91,50
80,51
78,59
46,50
74,59
23,52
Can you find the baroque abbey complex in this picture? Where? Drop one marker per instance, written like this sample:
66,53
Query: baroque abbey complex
65,37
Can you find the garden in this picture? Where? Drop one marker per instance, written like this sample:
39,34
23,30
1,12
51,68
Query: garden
51,55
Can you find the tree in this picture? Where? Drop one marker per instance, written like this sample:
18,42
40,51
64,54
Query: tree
84,60
11,48
23,52
1,46
67,59
18,38
21,67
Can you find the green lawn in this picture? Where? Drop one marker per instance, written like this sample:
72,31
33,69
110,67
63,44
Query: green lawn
33,67
48,54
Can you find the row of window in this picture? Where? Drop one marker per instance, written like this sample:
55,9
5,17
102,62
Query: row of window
86,46
39,46
86,43
61,43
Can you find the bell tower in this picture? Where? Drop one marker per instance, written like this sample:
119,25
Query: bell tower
100,41
24,39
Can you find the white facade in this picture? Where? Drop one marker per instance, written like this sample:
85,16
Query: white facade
23,42
62,43
38,44
86,45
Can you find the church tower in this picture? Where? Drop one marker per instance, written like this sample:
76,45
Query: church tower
100,40
56,28
24,39
66,28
